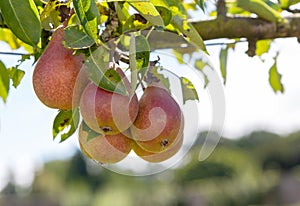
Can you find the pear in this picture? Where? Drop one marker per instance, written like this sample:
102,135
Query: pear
56,74
159,122
108,112
105,149
158,157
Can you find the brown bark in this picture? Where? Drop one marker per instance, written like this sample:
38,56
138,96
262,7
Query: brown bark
245,27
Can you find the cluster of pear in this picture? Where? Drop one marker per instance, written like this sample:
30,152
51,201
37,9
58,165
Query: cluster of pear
151,126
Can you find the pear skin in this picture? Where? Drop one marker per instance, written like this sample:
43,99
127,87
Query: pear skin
56,73
159,122
108,112
105,149
158,157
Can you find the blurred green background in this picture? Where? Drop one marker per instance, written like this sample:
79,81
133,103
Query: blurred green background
261,168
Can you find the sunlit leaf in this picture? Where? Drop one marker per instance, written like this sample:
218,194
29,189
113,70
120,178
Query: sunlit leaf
4,82
134,23
97,67
190,6
22,18
7,36
179,56
16,75
262,46
189,92
223,63
50,17
177,7
199,64
65,120
189,32
77,38
284,3
122,9
103,10
148,11
88,14
275,79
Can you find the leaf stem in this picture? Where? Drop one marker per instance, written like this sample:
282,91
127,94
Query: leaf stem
150,31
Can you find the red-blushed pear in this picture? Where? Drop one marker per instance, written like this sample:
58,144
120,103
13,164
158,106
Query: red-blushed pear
105,149
56,73
158,157
108,112
159,122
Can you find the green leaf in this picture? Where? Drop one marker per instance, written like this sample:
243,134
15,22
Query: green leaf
22,18
142,53
292,2
108,79
88,14
177,7
162,78
2,23
200,3
275,79
200,65
65,120
133,23
7,36
165,14
4,82
122,9
91,133
133,65
16,75
223,63
188,30
148,11
50,17
261,9
188,90
139,56
179,56
77,38
262,46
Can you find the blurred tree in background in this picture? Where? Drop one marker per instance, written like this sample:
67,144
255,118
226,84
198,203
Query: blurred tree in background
261,168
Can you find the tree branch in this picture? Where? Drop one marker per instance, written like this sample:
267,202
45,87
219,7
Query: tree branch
250,28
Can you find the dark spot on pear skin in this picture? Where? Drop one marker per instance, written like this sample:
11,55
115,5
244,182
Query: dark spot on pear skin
106,129
164,142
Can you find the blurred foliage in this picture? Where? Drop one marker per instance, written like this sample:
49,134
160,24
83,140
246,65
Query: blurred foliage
261,168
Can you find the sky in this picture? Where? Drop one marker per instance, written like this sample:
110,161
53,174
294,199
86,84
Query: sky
26,124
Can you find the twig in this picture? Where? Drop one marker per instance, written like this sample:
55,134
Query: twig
13,53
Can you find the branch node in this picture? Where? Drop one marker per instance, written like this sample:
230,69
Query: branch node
221,9
251,52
